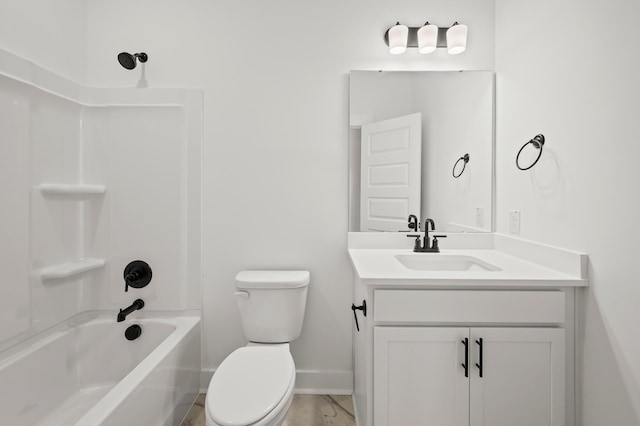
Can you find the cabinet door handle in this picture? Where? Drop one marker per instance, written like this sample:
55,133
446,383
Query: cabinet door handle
362,308
465,342
479,364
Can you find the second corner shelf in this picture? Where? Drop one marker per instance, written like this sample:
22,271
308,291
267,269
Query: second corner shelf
67,190
69,269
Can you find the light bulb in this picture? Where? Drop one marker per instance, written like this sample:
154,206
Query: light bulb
427,38
398,35
457,39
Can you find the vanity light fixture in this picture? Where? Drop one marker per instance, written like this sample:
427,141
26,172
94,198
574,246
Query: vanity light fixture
426,38
397,38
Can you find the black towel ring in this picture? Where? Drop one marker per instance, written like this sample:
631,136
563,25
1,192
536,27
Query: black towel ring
464,158
537,142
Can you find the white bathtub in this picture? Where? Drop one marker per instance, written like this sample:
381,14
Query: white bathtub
86,373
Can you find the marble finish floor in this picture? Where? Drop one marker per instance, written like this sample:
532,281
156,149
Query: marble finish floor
305,410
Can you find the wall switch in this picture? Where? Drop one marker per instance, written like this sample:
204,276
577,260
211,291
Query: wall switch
480,217
514,222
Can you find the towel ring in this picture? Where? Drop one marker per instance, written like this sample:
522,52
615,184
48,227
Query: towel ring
464,158
538,143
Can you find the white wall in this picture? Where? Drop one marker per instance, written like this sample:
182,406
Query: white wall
566,69
276,131
49,33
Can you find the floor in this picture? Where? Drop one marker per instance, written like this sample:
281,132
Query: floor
305,410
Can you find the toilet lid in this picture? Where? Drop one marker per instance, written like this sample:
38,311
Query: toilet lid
249,383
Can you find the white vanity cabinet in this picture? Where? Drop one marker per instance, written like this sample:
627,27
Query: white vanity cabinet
491,302
428,347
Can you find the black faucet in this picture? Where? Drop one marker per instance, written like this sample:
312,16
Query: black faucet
426,246
137,304
427,240
413,223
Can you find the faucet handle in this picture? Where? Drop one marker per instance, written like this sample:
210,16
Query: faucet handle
435,246
416,244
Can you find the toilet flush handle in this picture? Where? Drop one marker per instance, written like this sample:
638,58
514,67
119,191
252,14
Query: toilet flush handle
243,294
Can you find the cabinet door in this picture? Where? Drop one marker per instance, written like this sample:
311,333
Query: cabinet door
418,378
523,377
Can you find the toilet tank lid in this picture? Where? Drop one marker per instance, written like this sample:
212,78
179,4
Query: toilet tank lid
272,279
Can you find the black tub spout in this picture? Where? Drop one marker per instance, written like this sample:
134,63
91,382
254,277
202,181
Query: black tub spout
137,304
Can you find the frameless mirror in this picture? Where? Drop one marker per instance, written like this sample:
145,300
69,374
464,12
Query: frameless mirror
421,143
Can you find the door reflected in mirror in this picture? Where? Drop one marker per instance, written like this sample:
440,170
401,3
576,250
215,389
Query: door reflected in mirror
408,131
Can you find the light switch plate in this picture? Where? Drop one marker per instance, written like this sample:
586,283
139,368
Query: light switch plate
514,222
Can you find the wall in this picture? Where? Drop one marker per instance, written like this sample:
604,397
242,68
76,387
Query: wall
49,33
275,76
560,73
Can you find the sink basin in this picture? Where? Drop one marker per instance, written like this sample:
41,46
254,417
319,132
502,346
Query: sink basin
444,262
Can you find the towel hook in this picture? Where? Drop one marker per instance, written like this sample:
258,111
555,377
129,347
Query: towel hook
464,158
538,143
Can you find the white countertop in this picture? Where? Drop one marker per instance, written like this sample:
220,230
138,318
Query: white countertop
379,267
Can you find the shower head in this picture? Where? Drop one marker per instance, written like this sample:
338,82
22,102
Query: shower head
128,60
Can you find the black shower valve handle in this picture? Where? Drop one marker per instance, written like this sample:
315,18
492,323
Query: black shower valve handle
137,274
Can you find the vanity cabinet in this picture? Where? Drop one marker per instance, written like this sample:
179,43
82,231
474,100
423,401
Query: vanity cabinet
428,347
428,376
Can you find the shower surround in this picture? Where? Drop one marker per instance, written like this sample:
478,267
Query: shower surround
93,179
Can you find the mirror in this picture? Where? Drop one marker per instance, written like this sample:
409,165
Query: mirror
391,178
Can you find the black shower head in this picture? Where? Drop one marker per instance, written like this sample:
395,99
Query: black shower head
128,60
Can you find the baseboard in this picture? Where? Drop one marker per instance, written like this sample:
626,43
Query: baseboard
324,382
317,382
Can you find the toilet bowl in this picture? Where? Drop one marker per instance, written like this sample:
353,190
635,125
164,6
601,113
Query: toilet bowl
254,385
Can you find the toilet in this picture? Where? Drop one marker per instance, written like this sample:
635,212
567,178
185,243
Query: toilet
254,385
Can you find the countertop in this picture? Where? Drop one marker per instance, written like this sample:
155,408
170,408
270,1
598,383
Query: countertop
380,267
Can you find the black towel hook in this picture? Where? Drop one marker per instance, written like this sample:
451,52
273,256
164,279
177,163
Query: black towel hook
538,143
464,158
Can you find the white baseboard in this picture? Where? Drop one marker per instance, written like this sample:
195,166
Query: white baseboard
317,382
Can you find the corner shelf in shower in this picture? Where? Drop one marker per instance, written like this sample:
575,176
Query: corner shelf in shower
72,191
69,269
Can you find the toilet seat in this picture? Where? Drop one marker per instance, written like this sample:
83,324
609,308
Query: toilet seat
250,384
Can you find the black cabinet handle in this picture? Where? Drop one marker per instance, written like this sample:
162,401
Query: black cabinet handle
465,342
479,365
362,308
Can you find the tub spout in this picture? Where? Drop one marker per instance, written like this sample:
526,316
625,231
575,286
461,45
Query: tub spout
137,304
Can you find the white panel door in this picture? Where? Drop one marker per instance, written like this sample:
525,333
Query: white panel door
523,377
418,378
391,152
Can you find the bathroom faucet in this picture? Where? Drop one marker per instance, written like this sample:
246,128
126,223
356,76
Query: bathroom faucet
413,223
426,246
427,240
137,304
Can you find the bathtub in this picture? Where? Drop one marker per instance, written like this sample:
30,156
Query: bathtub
84,372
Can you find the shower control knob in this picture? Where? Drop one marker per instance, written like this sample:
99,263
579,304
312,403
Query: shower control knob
137,274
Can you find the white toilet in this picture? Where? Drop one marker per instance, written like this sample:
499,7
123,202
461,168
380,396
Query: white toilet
254,384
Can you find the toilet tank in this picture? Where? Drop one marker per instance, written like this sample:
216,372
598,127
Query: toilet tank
272,304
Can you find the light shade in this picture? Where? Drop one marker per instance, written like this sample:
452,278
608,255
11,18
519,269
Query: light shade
427,38
457,38
398,35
